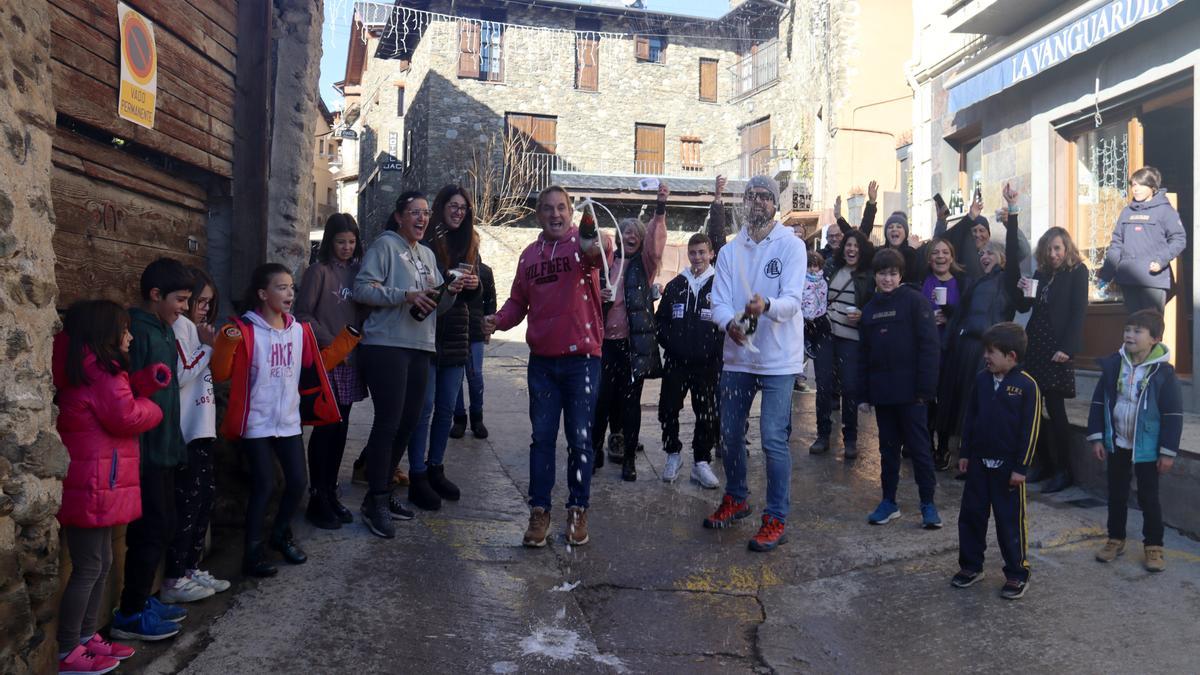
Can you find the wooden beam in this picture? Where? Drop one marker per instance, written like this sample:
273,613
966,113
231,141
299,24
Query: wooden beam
252,131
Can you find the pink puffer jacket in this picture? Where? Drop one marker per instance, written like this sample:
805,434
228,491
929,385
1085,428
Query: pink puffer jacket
99,423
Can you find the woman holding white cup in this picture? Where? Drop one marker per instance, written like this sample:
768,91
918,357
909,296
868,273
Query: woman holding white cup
1058,296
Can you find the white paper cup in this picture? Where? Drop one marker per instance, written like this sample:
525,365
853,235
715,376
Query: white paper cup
939,296
1031,288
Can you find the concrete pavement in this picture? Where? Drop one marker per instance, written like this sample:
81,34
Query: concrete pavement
654,592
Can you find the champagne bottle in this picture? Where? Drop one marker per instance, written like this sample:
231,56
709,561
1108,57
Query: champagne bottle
587,226
420,314
751,323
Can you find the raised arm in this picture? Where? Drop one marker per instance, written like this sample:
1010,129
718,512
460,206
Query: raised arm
716,217
868,218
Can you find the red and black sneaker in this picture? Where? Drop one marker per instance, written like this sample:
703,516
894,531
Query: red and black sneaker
769,536
729,511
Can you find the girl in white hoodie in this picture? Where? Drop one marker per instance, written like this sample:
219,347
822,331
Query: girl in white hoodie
195,484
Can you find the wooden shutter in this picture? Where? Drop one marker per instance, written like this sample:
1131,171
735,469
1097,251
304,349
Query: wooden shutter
521,126
544,131
708,80
468,48
760,139
689,152
642,47
587,62
649,148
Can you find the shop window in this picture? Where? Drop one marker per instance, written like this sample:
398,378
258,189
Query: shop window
1101,184
970,175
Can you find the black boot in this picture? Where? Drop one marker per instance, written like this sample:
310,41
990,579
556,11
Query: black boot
477,427
459,428
320,512
253,564
440,484
343,514
285,544
421,494
616,447
598,460
819,446
629,466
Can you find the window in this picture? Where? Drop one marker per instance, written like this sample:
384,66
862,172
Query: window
689,153
587,55
651,48
649,151
481,47
970,175
400,101
708,80
757,68
321,147
756,147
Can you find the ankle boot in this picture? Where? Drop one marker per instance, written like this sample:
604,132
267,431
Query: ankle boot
320,512
442,485
253,563
285,544
629,465
343,514
477,427
616,447
421,494
459,427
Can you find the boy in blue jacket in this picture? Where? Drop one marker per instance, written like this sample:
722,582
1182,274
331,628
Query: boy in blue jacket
899,350
1135,421
1000,432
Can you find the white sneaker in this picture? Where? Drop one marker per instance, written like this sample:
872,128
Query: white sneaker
671,470
703,474
183,590
203,578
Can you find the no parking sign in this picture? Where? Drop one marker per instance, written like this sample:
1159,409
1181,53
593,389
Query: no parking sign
139,67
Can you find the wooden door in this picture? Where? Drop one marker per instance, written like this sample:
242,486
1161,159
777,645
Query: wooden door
649,148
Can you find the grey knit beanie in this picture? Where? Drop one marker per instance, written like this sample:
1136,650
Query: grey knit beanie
764,183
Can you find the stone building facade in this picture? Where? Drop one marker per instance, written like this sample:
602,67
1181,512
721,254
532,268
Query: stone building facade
735,95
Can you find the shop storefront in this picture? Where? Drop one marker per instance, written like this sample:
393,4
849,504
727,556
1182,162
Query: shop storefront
1067,107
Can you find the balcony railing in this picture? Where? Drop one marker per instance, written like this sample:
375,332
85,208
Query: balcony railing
540,166
756,70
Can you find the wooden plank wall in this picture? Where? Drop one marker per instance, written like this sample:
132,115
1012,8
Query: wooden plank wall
197,50
115,214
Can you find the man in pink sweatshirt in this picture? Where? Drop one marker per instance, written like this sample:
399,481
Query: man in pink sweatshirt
557,287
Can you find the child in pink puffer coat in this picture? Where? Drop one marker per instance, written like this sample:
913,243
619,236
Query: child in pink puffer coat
101,411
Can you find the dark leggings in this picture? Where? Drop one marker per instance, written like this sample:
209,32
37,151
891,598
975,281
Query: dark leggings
195,487
1058,459
620,395
396,378
290,453
91,558
326,446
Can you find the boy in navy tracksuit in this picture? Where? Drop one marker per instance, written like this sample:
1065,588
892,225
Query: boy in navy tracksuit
999,435
693,344
1135,422
898,374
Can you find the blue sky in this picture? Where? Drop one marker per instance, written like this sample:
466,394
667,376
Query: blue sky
337,33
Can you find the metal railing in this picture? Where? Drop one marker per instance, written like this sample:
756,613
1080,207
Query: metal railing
768,161
756,70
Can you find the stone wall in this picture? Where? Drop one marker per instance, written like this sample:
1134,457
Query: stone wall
297,49
32,460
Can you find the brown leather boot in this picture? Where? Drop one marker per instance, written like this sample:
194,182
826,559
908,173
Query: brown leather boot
539,527
1112,549
577,531
1154,559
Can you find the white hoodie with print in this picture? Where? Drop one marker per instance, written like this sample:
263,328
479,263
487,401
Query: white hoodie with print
274,409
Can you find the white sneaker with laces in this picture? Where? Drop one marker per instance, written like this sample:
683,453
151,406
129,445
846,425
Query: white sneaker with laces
703,474
184,590
671,470
203,578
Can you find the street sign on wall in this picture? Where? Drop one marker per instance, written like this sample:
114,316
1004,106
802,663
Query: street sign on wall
139,67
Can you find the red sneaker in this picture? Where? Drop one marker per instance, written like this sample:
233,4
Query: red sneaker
769,536
729,511
83,662
101,647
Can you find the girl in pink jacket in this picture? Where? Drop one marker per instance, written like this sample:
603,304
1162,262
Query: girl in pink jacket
101,411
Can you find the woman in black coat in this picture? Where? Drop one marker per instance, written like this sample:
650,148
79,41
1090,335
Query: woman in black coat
1055,330
986,301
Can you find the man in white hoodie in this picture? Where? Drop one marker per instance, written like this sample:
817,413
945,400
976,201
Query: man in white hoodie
692,342
756,298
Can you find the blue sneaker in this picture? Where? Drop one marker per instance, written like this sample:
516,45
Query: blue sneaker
886,512
164,611
930,519
145,625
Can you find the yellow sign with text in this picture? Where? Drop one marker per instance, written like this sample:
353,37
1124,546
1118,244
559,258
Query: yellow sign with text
139,67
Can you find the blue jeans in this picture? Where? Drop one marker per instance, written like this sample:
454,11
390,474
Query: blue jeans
775,425
474,383
428,444
838,356
565,386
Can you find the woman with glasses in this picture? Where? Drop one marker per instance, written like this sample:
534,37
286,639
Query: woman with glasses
400,281
451,236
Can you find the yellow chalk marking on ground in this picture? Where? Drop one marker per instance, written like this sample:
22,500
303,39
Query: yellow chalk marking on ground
735,579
